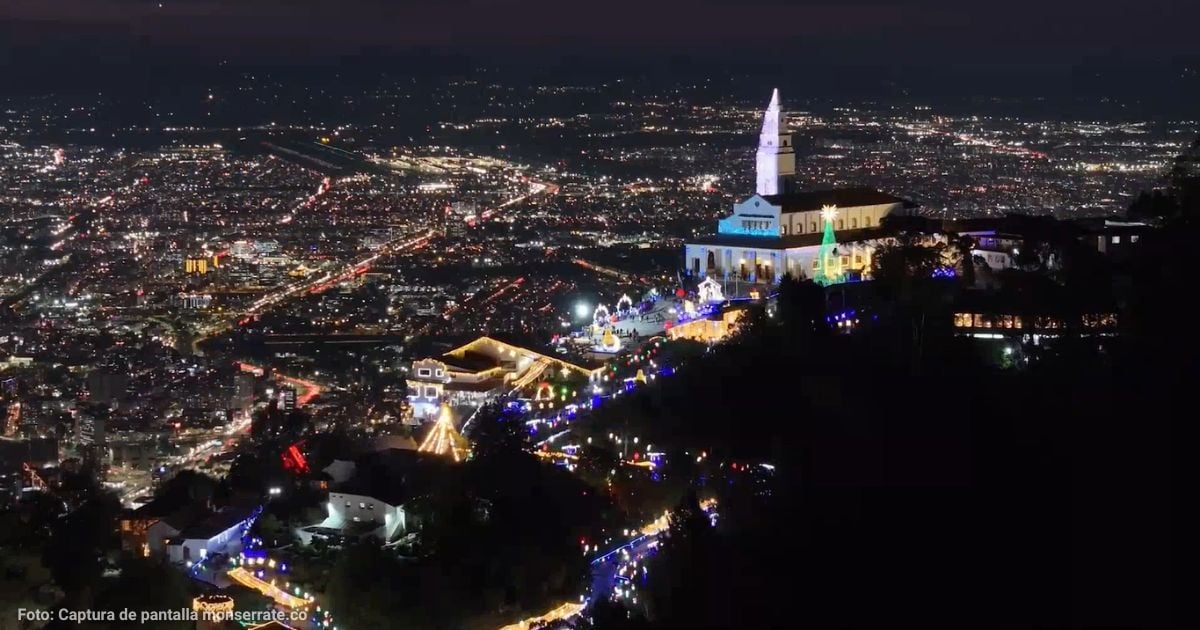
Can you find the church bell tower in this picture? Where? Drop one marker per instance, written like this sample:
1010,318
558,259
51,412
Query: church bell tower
775,160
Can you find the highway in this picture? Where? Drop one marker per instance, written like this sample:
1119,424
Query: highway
308,286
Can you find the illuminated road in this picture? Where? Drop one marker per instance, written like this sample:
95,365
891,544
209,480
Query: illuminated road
609,568
221,441
308,389
305,287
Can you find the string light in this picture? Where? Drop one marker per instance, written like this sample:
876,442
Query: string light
444,439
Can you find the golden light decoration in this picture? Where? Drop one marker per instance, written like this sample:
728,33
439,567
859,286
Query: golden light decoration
444,439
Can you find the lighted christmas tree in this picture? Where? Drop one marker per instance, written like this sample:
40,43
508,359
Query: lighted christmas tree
444,439
829,268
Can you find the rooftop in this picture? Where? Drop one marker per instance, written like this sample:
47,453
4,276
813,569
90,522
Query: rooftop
218,522
787,242
840,197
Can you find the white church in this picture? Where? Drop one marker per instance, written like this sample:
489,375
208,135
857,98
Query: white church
779,231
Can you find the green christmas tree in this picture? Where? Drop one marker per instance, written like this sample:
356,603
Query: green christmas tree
829,269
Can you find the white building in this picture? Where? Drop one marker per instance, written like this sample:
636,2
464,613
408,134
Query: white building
351,514
769,236
478,371
220,532
779,231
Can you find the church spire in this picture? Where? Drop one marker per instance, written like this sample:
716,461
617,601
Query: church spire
774,158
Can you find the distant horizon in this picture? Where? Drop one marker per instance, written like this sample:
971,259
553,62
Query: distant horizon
1162,87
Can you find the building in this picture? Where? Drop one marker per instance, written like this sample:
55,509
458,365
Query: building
219,532
89,427
243,392
200,265
382,517
775,159
106,386
711,329
191,301
287,398
147,529
427,383
370,501
459,216
824,235
476,372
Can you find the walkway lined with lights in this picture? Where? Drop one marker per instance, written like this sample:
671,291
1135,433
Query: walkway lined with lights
281,597
558,613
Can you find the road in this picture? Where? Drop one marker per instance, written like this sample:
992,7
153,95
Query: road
308,286
612,567
606,568
221,441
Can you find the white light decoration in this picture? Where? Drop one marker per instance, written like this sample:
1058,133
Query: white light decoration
710,291
600,315
829,213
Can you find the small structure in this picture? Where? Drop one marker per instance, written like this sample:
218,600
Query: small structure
708,329
710,291
212,610
220,532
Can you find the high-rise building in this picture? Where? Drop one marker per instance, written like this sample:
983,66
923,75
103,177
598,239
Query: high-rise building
106,386
243,392
775,160
287,398
89,428
459,215
91,440
196,265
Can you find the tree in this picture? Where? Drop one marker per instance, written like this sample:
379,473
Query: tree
185,488
683,592
609,615
497,433
963,246
595,462
362,589
904,272
146,584
801,310
79,542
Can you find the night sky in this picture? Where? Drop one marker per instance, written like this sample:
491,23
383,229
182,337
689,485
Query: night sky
921,32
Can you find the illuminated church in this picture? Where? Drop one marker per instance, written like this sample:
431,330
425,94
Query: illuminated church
823,235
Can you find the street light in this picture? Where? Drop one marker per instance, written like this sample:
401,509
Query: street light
582,310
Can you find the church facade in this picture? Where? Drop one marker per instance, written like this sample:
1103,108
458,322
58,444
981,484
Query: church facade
779,231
